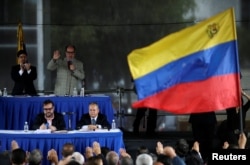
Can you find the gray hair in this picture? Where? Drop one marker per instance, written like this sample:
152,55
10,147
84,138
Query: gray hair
112,158
35,157
126,161
78,157
144,159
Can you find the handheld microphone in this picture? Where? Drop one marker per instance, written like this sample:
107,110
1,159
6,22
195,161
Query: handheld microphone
69,63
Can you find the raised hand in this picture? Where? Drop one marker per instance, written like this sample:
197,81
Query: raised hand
56,55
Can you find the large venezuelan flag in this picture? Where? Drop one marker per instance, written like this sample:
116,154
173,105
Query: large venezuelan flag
191,71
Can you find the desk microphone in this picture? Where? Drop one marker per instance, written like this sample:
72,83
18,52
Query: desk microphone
67,113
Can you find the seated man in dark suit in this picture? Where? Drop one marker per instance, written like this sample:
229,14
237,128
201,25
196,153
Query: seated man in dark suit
49,119
93,120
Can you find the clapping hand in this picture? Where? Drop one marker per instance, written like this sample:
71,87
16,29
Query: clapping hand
92,127
27,66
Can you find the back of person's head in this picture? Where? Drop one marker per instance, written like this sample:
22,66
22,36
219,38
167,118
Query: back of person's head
193,158
181,147
5,158
73,162
112,158
105,150
18,156
164,159
94,160
158,163
78,157
144,159
68,149
126,161
35,157
142,150
154,156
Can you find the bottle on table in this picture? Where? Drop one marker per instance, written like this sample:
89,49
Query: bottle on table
113,125
74,92
5,93
82,92
26,126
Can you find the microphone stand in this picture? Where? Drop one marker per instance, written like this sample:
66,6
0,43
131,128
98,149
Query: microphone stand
120,113
69,114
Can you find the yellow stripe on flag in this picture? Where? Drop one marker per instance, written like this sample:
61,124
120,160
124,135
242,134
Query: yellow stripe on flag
206,34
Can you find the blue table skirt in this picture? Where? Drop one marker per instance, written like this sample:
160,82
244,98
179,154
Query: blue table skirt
112,139
14,111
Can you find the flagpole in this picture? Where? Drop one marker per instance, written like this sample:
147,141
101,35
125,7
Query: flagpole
20,37
239,77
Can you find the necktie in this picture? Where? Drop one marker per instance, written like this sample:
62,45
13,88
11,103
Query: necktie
93,121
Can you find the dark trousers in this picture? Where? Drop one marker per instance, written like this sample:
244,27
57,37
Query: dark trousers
151,120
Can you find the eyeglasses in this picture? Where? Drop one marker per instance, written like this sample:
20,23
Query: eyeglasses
22,56
70,52
48,109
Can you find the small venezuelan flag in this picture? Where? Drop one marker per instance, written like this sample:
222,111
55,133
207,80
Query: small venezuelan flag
20,38
194,70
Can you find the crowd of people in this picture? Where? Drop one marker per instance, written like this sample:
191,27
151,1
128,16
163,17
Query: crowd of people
179,154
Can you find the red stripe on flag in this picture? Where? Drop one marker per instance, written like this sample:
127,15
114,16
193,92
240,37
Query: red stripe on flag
213,94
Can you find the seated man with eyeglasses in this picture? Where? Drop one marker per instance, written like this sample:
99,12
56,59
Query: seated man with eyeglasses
49,119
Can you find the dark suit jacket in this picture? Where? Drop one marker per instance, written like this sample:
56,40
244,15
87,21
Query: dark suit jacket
58,121
101,120
24,83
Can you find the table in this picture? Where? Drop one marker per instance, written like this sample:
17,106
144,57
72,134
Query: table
14,111
113,139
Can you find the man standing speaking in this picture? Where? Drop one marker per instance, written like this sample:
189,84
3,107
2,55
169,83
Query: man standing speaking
69,71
